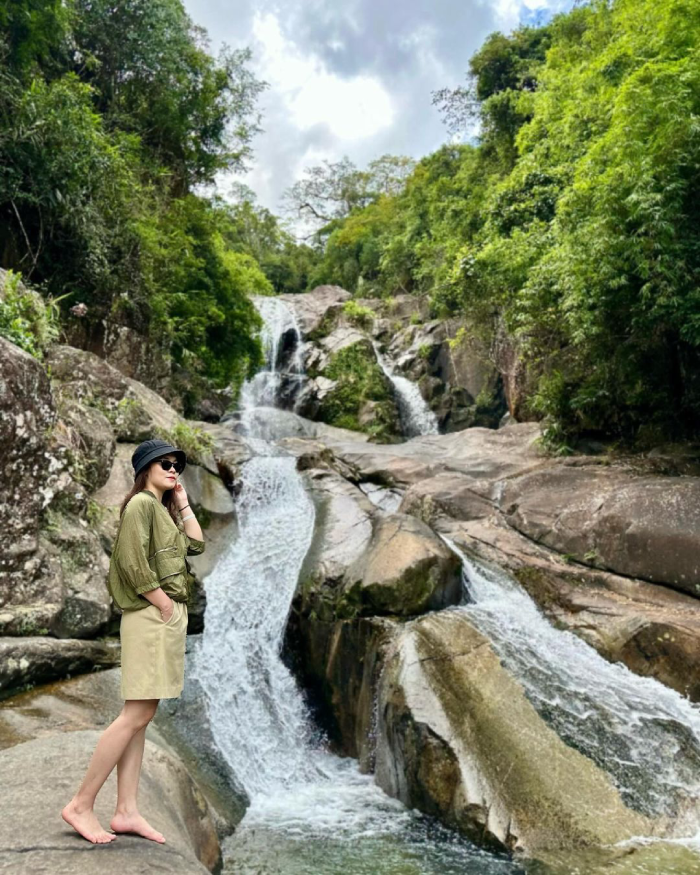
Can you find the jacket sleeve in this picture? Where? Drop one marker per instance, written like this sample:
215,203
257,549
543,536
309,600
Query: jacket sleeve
194,547
133,545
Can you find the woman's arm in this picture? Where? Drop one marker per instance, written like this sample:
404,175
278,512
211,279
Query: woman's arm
193,531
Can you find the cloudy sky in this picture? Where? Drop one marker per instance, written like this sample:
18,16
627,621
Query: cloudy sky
354,77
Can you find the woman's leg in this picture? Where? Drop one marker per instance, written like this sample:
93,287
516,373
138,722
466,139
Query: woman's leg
126,816
135,716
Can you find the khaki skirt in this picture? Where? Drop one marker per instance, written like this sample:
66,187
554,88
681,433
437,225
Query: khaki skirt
153,653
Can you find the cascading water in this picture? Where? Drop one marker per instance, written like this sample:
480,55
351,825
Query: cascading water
308,808
644,734
416,417
280,330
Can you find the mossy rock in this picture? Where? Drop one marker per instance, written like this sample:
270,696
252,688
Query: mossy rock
359,380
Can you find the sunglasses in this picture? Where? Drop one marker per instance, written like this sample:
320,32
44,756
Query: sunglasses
167,464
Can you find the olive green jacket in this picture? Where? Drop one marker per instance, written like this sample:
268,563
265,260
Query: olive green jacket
149,551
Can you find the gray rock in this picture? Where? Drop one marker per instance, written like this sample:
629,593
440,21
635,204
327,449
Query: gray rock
33,836
612,518
405,570
207,491
38,659
86,604
312,307
134,411
457,737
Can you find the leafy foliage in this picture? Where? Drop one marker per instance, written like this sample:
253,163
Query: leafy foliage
572,222
110,115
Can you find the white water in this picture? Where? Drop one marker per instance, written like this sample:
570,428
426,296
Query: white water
416,417
308,809
263,390
644,734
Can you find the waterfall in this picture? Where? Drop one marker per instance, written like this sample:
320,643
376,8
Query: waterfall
644,734
416,417
308,809
280,334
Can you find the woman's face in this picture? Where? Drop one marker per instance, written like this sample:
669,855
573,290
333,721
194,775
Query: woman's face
163,480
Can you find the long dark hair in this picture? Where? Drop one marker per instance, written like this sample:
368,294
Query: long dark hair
168,496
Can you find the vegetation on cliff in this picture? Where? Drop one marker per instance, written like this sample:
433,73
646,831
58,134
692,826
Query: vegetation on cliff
112,117
571,224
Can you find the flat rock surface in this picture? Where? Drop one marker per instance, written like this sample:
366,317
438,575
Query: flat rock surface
38,777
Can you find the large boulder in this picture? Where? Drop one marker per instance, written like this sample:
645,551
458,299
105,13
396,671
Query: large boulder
610,517
314,307
405,570
363,563
457,738
92,701
33,660
33,837
85,603
479,454
133,410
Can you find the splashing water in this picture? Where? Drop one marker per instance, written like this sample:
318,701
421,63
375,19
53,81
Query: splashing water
644,734
416,417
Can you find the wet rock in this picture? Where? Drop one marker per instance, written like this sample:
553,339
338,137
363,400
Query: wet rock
339,663
456,737
653,630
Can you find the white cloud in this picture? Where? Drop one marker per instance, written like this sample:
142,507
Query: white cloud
352,109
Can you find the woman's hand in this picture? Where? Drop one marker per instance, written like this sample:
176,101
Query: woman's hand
180,495
167,612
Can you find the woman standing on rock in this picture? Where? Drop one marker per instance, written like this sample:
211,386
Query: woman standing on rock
148,580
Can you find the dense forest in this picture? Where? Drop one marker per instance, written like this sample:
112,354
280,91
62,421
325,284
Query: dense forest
568,225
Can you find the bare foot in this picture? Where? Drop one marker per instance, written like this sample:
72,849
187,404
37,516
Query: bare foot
86,824
136,823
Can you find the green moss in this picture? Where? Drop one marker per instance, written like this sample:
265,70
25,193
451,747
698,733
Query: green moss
358,379
356,314
192,439
26,319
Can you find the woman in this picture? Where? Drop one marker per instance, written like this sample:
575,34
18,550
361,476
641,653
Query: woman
149,582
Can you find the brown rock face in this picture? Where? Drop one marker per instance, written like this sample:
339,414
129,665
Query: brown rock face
646,527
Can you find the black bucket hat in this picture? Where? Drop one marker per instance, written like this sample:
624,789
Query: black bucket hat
147,451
